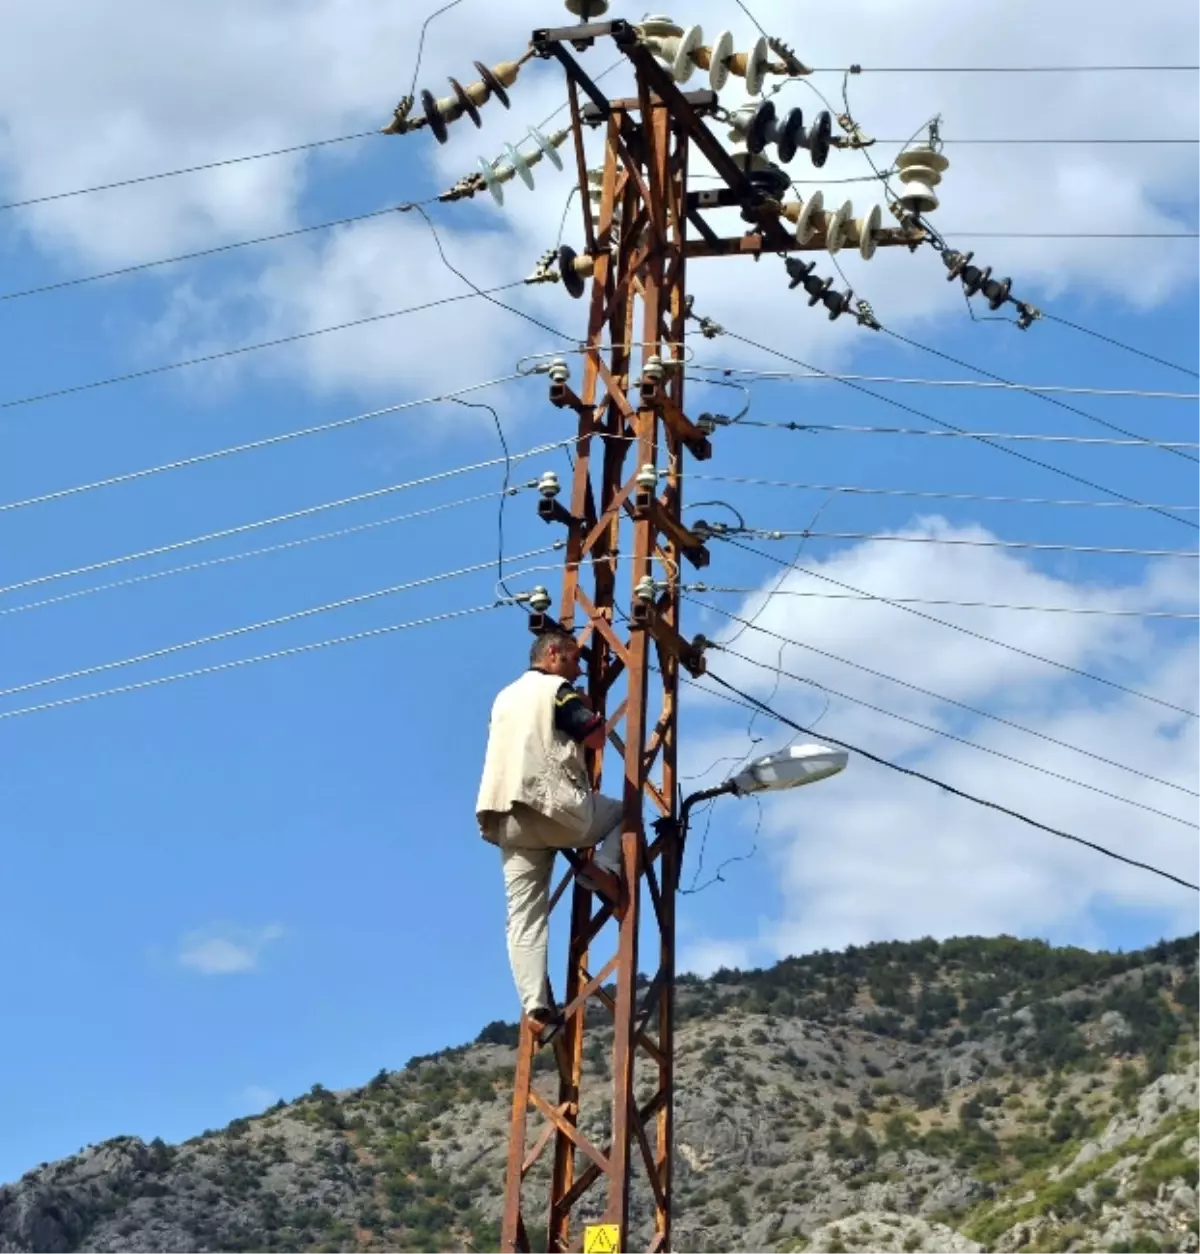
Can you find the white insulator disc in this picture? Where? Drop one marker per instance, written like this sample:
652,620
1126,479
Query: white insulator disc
683,66
868,230
520,165
810,215
835,228
718,66
756,65
490,180
548,149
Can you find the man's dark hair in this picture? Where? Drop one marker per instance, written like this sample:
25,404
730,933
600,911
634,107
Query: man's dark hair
559,641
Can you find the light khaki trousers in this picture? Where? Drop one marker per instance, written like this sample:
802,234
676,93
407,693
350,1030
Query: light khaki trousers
528,841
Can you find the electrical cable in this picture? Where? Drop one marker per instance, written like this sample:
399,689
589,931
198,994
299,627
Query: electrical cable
770,376
962,740
562,335
937,496
242,528
957,792
252,348
985,605
504,487
265,442
1011,452
1003,69
967,631
953,234
207,252
248,553
260,239
1129,348
1175,450
265,623
1132,139
250,661
421,41
937,696
189,169
762,533
1037,437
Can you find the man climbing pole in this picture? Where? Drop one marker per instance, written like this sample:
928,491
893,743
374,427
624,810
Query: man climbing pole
535,799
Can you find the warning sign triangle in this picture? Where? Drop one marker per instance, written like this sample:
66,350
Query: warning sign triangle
601,1239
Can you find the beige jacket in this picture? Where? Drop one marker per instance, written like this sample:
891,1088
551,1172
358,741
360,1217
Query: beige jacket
530,761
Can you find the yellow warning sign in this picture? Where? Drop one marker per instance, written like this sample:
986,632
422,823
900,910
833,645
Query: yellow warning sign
601,1239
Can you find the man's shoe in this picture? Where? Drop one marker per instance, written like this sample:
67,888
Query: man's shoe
598,879
544,1023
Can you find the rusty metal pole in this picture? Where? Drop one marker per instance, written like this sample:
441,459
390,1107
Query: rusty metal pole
625,531
634,650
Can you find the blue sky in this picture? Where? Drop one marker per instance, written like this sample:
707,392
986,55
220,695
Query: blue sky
226,889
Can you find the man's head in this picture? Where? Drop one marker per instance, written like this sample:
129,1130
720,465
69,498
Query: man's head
556,653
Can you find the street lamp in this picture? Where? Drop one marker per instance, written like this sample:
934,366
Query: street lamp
788,768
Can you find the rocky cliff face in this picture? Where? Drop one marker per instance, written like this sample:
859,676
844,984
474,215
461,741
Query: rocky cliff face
972,1095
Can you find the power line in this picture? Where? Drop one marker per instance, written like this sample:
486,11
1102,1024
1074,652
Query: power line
1011,452
952,234
1129,348
957,792
188,169
761,533
251,348
962,740
937,496
1174,449
437,241
265,623
1005,69
985,605
265,442
1037,437
248,553
927,692
290,516
250,661
1072,139
769,376
966,631
203,252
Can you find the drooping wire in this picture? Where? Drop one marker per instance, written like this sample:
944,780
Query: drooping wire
949,788
504,487
421,41
562,335
966,631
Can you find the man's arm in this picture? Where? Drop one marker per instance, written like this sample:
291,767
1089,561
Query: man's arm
574,718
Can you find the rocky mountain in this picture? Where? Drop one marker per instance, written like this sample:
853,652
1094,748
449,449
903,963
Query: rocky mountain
977,1094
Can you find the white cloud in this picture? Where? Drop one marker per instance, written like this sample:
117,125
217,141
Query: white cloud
226,950
872,854
205,83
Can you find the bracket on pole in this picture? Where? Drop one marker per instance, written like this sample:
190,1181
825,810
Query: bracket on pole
697,443
647,615
647,505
